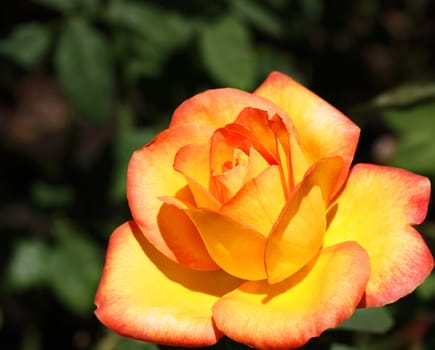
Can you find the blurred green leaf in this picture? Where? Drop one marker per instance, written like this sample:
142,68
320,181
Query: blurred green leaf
46,195
312,9
28,265
404,95
259,15
426,291
145,36
130,344
59,5
84,67
128,140
336,346
75,268
140,59
27,44
160,28
226,50
112,341
372,320
415,127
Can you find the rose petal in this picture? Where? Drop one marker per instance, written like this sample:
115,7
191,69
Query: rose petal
324,131
219,107
231,181
192,160
297,235
146,296
236,247
376,209
260,131
150,176
286,315
254,205
298,232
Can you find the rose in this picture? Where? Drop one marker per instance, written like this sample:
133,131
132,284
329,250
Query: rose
247,222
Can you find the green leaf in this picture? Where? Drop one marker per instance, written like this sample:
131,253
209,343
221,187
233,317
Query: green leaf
75,268
28,265
259,16
313,9
415,127
112,341
145,36
372,320
426,291
59,5
27,44
405,95
131,344
84,67
227,54
337,346
160,28
140,59
46,195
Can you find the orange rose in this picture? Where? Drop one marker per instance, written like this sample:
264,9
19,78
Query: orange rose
247,222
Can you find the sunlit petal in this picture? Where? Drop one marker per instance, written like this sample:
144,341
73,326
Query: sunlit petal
287,314
146,296
376,209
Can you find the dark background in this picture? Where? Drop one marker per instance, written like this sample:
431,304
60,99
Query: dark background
85,82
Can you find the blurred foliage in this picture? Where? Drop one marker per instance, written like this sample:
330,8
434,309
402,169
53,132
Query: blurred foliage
83,83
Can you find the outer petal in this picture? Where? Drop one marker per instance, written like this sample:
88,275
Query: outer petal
323,130
144,295
219,107
375,209
151,176
286,315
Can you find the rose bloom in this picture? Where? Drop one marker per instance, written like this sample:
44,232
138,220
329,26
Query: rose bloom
248,222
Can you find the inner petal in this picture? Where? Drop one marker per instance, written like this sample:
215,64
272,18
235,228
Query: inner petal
192,161
254,204
236,247
246,168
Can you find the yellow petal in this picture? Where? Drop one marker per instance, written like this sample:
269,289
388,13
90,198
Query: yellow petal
146,296
260,201
297,235
287,314
236,247
376,209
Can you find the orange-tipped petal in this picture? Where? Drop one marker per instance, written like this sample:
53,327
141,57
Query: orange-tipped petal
236,247
146,296
376,209
286,315
254,205
219,107
323,130
151,176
